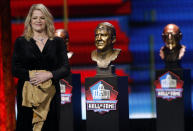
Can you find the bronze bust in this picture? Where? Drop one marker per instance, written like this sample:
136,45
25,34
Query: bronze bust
173,51
105,37
64,34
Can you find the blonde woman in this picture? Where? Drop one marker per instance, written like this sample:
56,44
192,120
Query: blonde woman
38,49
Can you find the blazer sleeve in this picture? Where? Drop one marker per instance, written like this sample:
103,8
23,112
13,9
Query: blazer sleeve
63,69
18,69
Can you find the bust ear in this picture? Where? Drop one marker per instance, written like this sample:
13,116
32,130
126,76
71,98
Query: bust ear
180,35
114,40
163,37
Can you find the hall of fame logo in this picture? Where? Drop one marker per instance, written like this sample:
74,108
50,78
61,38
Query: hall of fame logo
101,97
66,91
169,86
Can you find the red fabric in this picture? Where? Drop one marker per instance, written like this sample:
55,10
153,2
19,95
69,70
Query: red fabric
2,92
123,8
24,3
94,2
20,8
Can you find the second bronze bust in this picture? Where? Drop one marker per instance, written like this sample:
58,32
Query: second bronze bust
105,37
62,33
173,51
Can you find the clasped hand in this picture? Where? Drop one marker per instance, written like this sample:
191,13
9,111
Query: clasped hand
40,77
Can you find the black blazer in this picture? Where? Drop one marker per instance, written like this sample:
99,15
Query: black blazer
27,56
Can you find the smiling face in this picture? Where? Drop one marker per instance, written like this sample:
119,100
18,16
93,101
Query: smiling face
38,21
103,39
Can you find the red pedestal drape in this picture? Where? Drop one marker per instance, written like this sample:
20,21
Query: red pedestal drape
7,90
2,93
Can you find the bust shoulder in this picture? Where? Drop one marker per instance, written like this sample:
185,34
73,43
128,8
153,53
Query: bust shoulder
115,54
94,55
117,51
58,40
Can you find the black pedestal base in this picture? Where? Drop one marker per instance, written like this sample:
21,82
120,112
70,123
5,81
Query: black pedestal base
174,114
70,113
114,120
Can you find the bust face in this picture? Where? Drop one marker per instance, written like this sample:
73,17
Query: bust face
59,33
170,40
64,35
171,36
103,39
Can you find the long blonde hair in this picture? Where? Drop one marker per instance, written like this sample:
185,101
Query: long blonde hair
50,30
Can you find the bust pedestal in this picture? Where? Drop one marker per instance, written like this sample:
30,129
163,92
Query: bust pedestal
173,100
70,108
106,101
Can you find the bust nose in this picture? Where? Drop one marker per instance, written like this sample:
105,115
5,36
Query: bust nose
99,37
170,36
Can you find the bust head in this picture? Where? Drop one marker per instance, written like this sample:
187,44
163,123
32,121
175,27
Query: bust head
62,33
173,51
105,36
171,36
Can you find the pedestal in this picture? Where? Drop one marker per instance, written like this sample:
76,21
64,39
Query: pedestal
106,102
173,100
70,112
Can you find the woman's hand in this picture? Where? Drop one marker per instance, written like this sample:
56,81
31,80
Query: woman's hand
40,77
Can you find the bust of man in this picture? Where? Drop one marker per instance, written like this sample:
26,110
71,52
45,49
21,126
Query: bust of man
105,37
62,33
173,51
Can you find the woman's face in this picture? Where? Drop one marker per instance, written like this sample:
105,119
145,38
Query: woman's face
38,21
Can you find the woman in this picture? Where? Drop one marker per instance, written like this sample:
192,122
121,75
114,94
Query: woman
38,49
